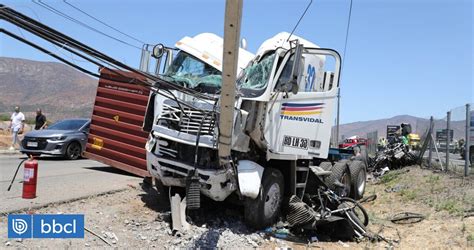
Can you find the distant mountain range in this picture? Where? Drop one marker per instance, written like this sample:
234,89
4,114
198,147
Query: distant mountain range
419,125
60,91
63,92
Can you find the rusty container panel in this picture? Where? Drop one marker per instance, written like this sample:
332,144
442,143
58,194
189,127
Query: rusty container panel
116,137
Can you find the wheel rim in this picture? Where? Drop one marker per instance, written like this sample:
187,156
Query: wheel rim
347,185
74,151
272,200
361,182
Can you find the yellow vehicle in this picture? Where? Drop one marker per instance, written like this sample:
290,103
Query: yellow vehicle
414,141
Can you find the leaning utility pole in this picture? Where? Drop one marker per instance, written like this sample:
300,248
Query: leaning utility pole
233,16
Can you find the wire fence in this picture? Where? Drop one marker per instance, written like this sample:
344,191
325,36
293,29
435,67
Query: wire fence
449,141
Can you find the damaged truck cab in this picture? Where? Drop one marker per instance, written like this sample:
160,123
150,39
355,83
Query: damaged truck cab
283,115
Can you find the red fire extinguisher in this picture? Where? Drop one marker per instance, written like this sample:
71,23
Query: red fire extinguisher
30,179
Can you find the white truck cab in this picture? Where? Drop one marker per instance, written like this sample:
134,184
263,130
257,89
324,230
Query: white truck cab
283,115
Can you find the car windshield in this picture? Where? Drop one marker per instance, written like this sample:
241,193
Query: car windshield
254,77
193,73
68,125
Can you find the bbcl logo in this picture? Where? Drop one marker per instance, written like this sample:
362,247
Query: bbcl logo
46,226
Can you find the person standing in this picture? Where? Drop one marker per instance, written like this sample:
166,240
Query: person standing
17,125
40,121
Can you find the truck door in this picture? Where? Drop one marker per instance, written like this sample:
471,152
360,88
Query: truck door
300,122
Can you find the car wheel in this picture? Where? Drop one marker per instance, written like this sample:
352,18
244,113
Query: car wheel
73,151
264,210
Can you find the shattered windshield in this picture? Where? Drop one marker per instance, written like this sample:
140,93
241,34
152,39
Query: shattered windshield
193,73
255,76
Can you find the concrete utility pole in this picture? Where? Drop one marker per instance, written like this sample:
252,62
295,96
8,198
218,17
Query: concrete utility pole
467,141
448,137
233,16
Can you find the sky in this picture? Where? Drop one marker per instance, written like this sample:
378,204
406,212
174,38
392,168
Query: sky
410,57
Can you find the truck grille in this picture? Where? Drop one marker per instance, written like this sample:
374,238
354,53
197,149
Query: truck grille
188,123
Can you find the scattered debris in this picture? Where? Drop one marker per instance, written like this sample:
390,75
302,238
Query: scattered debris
98,236
395,189
369,198
407,218
394,155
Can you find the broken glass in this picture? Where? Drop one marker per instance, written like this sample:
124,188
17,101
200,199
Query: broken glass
256,75
191,72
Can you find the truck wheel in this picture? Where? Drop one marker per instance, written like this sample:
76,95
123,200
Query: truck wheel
326,165
363,156
341,173
263,211
358,179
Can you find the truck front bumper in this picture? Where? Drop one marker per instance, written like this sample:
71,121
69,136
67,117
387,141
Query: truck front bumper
215,184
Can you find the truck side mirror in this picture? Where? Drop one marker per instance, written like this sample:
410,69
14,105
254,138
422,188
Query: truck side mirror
296,69
158,50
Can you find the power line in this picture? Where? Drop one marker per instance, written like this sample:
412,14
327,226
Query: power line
347,34
102,22
301,17
58,12
58,48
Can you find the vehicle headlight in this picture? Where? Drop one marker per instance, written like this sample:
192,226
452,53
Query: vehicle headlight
59,138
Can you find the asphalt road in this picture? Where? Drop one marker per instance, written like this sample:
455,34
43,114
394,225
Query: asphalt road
59,180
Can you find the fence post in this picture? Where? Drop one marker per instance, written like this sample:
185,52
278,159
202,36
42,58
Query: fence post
448,138
467,140
430,138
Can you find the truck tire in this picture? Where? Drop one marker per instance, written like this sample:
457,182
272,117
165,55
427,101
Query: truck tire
264,210
340,172
363,155
358,179
326,165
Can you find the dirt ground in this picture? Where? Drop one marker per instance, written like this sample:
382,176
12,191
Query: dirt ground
134,218
6,137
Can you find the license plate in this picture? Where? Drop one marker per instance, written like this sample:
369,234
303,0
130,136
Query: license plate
295,142
32,144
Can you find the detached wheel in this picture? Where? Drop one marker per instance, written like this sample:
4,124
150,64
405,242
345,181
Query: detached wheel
264,210
340,173
73,151
358,179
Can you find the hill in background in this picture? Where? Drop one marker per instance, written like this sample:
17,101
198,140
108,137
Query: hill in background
59,90
419,125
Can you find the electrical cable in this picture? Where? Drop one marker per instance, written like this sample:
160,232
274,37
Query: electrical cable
347,35
47,52
77,45
62,14
56,37
301,18
102,22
